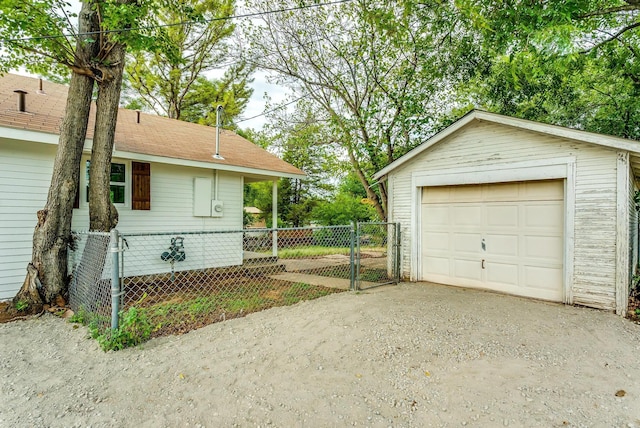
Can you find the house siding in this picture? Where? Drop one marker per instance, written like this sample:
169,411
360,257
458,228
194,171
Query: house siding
25,174
485,144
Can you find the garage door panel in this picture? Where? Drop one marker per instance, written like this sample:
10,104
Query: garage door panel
501,192
542,277
467,242
438,241
543,215
466,215
542,191
522,225
502,245
502,273
467,269
436,215
543,247
437,265
502,215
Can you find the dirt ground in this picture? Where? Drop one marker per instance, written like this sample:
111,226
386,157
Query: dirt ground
410,355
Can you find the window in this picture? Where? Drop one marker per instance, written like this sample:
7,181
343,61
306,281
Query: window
117,182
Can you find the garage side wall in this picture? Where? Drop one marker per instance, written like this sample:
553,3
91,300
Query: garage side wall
482,144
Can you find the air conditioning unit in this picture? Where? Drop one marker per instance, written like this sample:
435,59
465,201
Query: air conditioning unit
217,208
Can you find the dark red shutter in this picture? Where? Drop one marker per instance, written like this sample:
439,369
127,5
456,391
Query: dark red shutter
140,186
76,200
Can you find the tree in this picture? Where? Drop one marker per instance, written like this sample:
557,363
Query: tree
299,138
375,69
45,28
575,64
166,79
232,92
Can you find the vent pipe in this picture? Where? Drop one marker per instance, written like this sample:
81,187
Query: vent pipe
137,116
40,90
218,113
21,100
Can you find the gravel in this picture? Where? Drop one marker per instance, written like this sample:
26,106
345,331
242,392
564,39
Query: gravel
410,355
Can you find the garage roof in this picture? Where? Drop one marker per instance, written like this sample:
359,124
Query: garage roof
559,131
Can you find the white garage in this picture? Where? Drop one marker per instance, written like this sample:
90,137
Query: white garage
519,207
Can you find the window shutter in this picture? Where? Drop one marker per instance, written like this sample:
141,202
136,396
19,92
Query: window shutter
76,200
140,186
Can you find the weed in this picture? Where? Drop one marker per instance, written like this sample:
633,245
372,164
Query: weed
134,329
21,305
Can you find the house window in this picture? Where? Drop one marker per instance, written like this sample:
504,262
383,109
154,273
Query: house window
117,182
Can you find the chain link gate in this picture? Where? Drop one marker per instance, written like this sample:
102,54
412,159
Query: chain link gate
377,255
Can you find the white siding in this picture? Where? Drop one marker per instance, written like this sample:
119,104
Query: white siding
25,173
485,144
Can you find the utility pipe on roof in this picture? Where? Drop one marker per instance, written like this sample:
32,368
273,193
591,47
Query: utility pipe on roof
218,112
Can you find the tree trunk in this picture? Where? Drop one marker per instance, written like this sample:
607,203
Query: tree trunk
103,215
53,230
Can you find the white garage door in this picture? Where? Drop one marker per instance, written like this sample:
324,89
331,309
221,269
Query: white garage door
506,237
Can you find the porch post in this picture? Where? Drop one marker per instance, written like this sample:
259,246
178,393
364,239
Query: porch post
274,217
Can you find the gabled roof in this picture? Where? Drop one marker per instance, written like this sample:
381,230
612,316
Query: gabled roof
155,137
542,128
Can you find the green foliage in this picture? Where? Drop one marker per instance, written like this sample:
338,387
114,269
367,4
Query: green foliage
133,330
170,77
21,305
344,209
575,64
247,218
232,92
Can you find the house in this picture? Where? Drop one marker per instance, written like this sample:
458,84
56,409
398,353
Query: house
165,177
520,207
257,221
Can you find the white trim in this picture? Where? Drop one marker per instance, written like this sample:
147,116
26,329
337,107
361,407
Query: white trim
206,165
569,230
47,138
557,168
416,226
545,169
477,115
622,233
27,135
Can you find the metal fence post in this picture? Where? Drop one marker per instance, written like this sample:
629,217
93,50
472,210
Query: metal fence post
115,279
397,253
352,242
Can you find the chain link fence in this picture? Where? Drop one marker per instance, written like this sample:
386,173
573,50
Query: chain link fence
377,255
182,281
90,285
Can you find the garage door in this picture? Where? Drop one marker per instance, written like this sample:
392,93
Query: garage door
506,237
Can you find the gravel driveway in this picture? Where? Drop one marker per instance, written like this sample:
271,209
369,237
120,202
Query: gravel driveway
410,355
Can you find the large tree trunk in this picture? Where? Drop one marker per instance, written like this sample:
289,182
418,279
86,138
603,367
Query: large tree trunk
103,215
53,230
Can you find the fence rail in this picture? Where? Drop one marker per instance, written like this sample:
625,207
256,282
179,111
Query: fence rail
183,280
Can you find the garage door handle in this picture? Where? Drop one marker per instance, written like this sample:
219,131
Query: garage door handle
482,263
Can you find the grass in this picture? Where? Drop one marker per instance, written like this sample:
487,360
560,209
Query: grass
371,275
187,311
319,251
311,251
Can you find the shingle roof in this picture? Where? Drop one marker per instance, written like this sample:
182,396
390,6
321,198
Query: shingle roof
154,135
